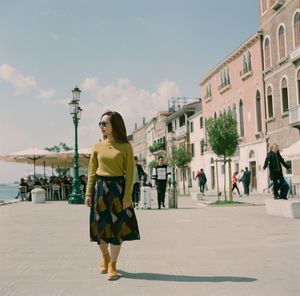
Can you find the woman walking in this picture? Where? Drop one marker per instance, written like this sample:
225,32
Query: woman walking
234,183
109,192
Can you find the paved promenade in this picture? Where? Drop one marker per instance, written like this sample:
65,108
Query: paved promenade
193,250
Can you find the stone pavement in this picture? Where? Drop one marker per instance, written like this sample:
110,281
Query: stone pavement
193,250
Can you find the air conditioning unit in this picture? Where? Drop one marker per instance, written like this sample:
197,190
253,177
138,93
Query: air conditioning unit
277,4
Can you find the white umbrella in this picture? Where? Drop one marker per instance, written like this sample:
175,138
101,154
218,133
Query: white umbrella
292,152
41,157
31,155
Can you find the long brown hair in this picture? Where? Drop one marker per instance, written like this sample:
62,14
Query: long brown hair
118,126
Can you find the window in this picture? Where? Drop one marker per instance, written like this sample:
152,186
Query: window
284,95
264,6
270,102
234,111
170,127
267,55
281,43
182,120
193,150
241,111
297,29
298,86
192,127
258,112
201,119
247,66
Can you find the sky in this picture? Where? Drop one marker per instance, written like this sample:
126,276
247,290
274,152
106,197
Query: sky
129,56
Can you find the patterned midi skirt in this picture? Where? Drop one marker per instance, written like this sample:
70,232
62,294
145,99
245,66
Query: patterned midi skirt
109,223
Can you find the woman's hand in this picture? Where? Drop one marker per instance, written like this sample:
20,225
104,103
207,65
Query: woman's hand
88,201
126,205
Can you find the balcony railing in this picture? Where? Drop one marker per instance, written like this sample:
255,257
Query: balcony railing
295,55
245,73
277,4
223,87
294,116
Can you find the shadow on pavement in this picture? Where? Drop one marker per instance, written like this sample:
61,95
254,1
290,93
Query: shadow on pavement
182,278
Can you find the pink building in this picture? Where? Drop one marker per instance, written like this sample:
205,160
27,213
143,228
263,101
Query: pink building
236,84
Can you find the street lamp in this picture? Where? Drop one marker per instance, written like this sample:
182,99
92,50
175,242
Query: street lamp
75,111
173,189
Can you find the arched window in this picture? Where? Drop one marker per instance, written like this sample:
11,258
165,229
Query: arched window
297,29
211,160
264,6
267,53
270,102
251,154
281,43
258,112
234,111
241,111
298,85
249,63
284,95
244,64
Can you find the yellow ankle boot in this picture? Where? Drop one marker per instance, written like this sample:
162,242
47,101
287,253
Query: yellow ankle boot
103,266
112,271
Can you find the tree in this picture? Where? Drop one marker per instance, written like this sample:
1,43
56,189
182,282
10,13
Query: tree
223,138
181,157
58,148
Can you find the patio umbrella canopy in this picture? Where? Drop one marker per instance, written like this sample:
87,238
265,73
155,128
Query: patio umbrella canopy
41,157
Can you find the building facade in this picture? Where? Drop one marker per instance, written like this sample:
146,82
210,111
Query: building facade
197,138
280,25
236,85
178,135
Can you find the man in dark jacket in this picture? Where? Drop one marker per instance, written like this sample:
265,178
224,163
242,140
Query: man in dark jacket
160,174
274,161
246,180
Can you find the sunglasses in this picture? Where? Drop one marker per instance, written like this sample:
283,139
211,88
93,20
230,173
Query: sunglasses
103,123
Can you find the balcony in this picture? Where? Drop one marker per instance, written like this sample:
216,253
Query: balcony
245,73
277,4
223,87
294,116
295,55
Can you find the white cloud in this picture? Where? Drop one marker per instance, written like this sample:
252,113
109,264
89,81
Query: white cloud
46,94
131,102
19,82
23,84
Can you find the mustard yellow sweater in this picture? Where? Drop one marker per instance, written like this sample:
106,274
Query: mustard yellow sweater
110,158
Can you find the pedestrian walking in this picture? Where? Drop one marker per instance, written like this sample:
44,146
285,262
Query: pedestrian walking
234,183
201,180
246,181
274,161
160,174
138,175
109,192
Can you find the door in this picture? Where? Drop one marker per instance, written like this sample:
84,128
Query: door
212,176
253,182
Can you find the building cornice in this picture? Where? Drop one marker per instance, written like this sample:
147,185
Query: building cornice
238,52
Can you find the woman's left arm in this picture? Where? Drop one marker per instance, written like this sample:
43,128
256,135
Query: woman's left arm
129,177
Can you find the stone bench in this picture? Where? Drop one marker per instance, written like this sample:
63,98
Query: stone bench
286,208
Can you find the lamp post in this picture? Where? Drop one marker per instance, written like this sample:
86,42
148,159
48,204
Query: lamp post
173,189
75,111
